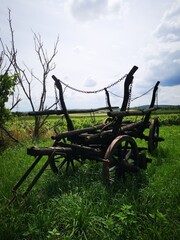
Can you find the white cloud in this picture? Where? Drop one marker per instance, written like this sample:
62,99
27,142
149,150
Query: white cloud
89,10
172,93
163,55
78,49
118,7
169,28
90,82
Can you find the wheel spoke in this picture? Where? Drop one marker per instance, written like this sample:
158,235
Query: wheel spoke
113,162
125,150
111,169
67,166
126,146
56,159
62,164
119,150
72,164
128,154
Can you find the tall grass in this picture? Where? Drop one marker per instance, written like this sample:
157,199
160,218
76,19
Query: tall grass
78,206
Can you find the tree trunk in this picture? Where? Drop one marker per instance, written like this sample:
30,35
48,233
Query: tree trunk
36,133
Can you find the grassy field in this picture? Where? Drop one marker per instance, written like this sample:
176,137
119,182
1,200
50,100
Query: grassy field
78,206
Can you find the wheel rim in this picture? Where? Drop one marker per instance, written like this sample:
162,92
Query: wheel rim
107,120
121,156
153,135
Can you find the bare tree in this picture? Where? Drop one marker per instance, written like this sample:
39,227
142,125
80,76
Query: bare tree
26,77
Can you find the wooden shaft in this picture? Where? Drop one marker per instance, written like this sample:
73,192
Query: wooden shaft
127,83
131,113
72,111
38,175
132,125
36,151
64,150
59,86
77,132
154,95
108,99
147,117
18,184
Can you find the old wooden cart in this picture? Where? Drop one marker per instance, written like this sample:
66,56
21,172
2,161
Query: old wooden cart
112,142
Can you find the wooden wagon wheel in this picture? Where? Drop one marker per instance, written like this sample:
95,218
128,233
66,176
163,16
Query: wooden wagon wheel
121,156
153,135
61,163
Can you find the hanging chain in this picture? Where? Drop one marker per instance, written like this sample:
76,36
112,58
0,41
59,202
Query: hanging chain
142,94
156,98
130,93
95,91
132,99
115,94
56,98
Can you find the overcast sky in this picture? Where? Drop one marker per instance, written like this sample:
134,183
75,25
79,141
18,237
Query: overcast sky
100,41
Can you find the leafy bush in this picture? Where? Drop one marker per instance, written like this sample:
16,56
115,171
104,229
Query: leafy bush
169,119
7,84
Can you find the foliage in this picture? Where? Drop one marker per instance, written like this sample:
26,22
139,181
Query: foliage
169,119
78,206
7,84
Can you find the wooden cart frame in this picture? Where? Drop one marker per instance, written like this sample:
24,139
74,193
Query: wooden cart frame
112,142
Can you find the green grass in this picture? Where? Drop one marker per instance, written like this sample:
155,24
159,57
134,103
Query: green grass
78,206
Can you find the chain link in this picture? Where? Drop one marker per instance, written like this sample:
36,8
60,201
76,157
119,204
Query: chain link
132,99
142,94
156,98
56,97
129,98
115,94
95,91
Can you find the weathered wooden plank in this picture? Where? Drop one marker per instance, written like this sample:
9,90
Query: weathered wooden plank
77,132
64,149
147,117
72,111
61,98
40,151
127,84
132,125
127,93
108,99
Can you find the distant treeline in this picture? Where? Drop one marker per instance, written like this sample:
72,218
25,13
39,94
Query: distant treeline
166,107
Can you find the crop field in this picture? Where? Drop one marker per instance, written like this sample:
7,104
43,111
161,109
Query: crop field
77,205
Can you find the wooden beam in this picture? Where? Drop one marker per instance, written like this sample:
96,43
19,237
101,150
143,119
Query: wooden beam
77,132
131,112
73,111
41,151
